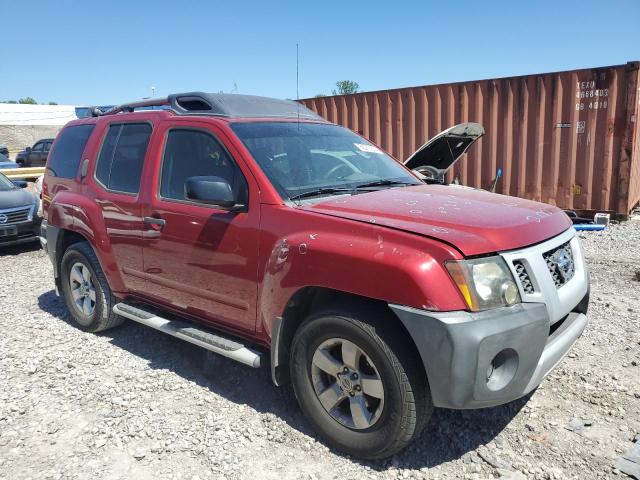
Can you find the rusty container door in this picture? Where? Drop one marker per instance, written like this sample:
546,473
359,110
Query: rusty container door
566,138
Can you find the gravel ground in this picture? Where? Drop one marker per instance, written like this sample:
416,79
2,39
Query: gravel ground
135,403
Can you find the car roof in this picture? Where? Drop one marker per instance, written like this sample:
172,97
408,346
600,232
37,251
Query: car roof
222,105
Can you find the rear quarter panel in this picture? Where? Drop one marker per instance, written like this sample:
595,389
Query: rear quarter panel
80,214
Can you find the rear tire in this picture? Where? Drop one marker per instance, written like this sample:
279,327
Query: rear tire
86,291
388,366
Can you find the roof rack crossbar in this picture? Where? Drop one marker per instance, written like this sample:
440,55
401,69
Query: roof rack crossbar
131,106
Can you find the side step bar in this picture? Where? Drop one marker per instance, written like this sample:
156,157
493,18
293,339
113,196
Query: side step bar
192,334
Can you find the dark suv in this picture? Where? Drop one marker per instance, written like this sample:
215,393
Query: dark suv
255,229
35,156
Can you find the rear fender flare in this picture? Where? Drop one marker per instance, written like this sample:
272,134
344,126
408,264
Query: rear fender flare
79,214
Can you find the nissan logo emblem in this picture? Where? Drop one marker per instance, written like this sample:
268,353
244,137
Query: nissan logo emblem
3,218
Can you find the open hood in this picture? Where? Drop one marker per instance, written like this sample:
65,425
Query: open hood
443,150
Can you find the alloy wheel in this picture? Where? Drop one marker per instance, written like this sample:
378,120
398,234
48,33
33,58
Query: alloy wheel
83,289
347,383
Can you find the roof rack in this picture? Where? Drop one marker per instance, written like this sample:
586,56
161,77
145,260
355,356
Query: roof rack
219,104
129,107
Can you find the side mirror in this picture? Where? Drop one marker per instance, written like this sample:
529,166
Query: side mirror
28,149
20,183
211,190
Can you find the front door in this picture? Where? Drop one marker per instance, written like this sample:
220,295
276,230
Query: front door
200,258
45,155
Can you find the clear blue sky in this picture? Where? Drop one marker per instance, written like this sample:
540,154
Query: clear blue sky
90,52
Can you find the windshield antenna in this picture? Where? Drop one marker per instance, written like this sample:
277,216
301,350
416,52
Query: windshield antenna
298,83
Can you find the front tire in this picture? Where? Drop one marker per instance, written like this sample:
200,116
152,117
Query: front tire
360,381
86,291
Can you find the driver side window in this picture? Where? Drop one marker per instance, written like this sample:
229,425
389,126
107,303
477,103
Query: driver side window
192,153
38,147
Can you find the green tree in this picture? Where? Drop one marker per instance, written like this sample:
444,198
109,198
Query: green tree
346,87
319,95
52,103
28,101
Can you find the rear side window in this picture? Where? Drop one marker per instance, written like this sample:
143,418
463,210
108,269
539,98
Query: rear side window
65,158
122,156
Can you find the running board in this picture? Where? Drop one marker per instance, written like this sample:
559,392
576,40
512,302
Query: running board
192,334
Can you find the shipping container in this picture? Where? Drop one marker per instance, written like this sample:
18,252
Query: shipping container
570,138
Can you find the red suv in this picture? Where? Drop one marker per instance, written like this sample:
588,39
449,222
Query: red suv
255,229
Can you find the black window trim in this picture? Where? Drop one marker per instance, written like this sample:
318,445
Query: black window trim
144,160
193,202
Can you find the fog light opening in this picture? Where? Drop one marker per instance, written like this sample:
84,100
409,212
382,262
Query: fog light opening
502,369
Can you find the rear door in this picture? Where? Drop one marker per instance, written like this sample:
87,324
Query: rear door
35,157
117,174
199,258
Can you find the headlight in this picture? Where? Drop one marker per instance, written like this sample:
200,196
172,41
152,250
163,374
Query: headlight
484,282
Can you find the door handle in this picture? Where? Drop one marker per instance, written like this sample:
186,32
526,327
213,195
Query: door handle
156,223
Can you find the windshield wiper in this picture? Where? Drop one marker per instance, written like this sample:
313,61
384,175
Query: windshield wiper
352,191
321,191
384,183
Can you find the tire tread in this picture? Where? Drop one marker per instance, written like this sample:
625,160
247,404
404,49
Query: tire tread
108,318
406,364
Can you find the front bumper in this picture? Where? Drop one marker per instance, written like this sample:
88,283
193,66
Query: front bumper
515,345
24,232
489,358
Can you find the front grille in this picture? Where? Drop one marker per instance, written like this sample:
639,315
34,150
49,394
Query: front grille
14,216
523,277
560,264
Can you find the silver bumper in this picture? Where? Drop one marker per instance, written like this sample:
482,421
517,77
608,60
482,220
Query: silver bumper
557,347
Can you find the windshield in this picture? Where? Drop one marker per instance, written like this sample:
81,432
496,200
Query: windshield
6,184
302,158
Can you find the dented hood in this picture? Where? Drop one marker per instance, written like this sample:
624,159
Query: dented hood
447,147
474,221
